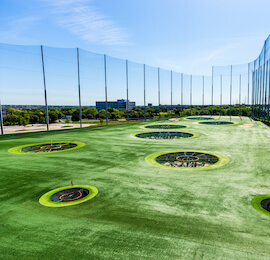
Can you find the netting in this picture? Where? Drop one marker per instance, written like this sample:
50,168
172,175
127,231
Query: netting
47,148
164,135
43,88
69,195
187,159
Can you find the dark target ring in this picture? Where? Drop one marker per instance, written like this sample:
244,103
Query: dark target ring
68,196
46,148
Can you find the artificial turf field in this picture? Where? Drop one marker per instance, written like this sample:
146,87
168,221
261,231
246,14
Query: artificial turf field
140,211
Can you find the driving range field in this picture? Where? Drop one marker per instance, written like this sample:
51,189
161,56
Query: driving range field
143,210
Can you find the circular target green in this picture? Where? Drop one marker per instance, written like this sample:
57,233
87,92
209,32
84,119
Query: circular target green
46,147
187,160
68,196
262,204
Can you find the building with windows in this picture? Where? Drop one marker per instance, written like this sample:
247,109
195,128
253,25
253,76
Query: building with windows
119,104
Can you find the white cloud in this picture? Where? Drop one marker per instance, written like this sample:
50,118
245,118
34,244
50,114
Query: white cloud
81,19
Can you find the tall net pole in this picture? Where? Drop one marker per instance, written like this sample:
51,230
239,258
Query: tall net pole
263,84
127,90
212,96
1,119
259,90
248,92
158,94
265,94
79,86
190,94
220,113
268,90
202,94
240,95
182,94
144,96
45,91
171,93
106,92
231,94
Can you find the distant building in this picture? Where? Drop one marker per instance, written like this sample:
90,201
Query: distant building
119,104
67,117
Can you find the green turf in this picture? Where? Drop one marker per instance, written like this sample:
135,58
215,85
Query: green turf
140,211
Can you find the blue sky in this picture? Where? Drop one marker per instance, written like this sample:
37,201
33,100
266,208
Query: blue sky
184,36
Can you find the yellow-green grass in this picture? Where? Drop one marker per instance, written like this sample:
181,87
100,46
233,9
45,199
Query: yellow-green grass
140,211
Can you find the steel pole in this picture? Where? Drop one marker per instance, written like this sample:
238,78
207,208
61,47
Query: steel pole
231,94
248,92
240,95
158,94
171,93
79,86
45,91
202,94
268,90
220,114
190,94
127,90
212,97
181,94
106,93
144,96
1,119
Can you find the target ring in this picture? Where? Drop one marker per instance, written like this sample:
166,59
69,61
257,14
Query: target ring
68,196
45,148
187,160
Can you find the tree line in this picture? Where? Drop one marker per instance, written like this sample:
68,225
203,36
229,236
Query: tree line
16,116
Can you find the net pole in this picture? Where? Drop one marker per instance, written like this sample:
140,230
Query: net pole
1,119
158,94
263,85
79,86
212,96
144,96
202,94
259,91
268,91
127,90
220,114
240,95
181,94
265,94
231,94
106,92
248,92
45,91
171,92
190,94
